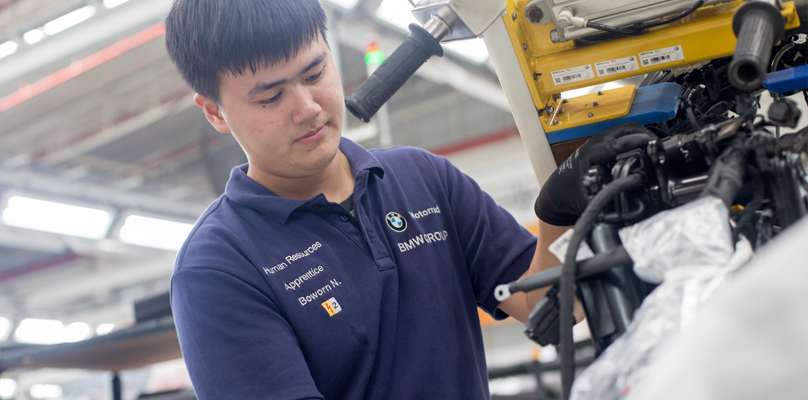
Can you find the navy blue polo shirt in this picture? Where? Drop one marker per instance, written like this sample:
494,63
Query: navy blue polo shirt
298,299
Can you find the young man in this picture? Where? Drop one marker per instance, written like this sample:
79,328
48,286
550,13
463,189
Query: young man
326,271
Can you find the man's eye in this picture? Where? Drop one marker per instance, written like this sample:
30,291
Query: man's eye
271,100
315,76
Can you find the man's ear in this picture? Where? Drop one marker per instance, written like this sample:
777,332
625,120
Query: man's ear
212,112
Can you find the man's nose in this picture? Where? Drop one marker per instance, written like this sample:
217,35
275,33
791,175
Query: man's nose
307,106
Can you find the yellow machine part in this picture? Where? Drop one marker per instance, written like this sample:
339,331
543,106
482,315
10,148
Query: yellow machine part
594,107
551,68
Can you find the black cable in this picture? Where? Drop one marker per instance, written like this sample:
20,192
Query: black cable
611,29
582,228
679,16
638,29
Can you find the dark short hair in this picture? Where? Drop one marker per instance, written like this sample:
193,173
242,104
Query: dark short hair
206,38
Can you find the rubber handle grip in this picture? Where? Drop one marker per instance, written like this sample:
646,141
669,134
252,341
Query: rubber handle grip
371,95
758,26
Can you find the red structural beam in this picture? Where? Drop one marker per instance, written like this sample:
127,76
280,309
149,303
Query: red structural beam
77,68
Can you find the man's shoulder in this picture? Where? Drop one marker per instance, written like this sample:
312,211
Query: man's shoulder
405,159
216,234
402,153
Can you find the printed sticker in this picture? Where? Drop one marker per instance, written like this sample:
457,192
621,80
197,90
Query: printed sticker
573,74
331,306
620,65
661,56
559,248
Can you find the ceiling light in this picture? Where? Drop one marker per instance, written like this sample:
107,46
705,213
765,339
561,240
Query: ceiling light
113,3
33,36
8,388
153,232
76,332
39,331
68,20
50,331
346,4
103,329
8,48
43,391
397,13
24,212
5,324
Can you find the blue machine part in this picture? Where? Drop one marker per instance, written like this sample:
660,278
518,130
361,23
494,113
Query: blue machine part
787,80
651,104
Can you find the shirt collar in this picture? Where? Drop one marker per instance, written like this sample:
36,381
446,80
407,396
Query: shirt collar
244,191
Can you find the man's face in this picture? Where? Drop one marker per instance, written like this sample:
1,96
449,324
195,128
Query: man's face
287,117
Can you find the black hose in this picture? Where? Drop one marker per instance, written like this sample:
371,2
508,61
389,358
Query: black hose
611,29
638,29
600,262
582,228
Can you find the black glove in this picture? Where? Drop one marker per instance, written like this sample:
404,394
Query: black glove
562,198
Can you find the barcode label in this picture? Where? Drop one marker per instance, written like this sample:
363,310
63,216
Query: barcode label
571,75
559,248
568,78
661,56
620,65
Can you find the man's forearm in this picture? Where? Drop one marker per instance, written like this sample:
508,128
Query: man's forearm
519,305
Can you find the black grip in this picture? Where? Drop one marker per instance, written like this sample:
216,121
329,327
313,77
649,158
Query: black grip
394,71
758,26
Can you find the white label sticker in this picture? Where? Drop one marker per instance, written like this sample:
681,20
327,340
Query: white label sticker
574,74
559,248
661,56
611,67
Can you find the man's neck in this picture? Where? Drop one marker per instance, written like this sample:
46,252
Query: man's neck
336,182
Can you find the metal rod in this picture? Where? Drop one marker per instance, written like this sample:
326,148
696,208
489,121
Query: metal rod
116,387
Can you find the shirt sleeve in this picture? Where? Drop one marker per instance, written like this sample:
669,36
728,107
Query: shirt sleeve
496,247
235,341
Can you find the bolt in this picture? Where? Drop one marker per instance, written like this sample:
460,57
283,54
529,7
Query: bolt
549,109
534,14
594,103
561,111
600,93
536,76
524,46
676,48
564,101
591,115
556,96
555,122
513,16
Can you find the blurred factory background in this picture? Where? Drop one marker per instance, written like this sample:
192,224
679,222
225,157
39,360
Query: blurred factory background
105,162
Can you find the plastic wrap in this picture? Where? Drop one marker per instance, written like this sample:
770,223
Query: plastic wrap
697,233
690,250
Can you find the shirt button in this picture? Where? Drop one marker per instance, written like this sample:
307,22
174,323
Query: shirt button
344,218
316,206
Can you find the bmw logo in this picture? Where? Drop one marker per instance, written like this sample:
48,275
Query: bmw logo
396,222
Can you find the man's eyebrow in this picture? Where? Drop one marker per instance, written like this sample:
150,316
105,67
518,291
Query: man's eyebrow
261,86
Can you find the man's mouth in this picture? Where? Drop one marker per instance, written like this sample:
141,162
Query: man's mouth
313,135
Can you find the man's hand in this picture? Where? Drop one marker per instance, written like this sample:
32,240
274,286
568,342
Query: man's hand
562,198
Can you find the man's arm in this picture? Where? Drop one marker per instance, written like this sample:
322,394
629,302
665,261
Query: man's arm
519,305
562,200
235,343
